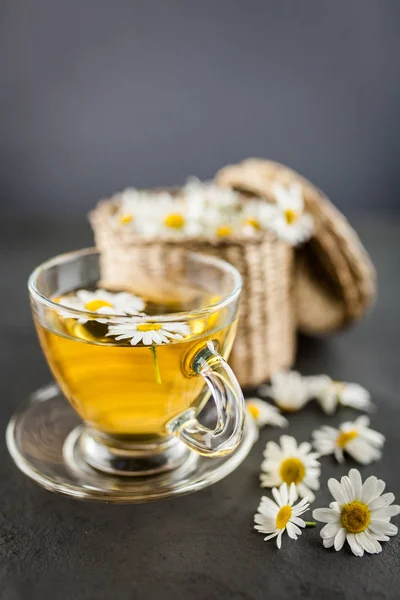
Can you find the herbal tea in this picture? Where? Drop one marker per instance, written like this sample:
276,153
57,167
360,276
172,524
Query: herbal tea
131,378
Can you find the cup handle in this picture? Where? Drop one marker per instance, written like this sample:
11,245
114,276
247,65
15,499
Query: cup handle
228,397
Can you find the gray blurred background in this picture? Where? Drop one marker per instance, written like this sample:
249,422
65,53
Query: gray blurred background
98,95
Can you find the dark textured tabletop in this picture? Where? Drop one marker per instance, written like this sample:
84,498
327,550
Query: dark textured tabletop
201,546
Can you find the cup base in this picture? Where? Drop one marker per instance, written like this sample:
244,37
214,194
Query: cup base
48,443
123,457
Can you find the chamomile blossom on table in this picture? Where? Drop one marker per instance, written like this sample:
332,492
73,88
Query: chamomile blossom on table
274,518
330,394
265,414
288,462
360,514
356,438
287,389
102,302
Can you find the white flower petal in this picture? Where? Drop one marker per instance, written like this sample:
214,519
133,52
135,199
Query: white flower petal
340,539
267,503
284,493
336,490
298,521
347,489
369,489
289,445
292,494
293,531
304,448
326,515
374,541
270,480
273,450
381,501
379,527
386,512
279,539
278,498
354,545
272,535
355,478
365,542
329,530
362,421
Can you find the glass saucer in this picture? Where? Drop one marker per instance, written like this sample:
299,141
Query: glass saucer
42,439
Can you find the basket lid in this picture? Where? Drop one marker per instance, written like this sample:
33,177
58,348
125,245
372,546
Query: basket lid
335,280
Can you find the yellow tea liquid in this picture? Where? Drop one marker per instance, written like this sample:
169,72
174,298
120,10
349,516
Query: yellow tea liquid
113,385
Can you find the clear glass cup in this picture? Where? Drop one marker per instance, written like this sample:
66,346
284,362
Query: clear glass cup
138,434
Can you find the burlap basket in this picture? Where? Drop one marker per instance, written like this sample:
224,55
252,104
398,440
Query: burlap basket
335,280
266,336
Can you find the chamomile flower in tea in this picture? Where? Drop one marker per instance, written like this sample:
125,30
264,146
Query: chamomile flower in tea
130,374
102,302
148,333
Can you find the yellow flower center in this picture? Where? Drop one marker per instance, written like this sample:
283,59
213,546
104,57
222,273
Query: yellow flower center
339,387
253,410
283,516
94,305
125,219
224,231
290,216
355,516
253,223
292,471
345,437
149,327
174,221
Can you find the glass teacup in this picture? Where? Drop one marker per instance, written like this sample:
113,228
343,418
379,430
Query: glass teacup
138,365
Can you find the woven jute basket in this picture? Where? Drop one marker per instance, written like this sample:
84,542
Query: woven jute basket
266,335
335,280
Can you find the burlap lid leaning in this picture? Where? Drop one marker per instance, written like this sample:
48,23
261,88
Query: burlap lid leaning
335,280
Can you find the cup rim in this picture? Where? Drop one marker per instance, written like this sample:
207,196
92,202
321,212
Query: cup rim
183,315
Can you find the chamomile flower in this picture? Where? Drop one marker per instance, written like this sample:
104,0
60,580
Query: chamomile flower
256,216
273,518
131,205
148,333
356,438
102,302
290,222
288,390
291,463
359,514
265,414
330,394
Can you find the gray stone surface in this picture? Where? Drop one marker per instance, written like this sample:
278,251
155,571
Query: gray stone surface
201,546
